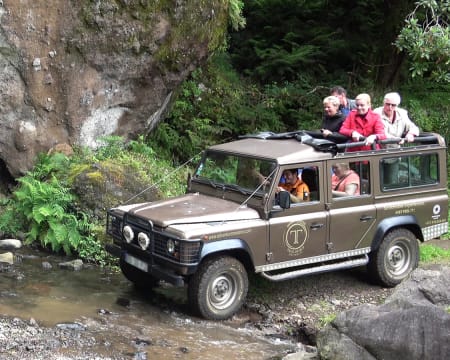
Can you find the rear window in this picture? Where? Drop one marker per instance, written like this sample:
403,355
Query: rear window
409,171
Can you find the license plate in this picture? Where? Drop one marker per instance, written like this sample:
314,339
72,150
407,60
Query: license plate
141,265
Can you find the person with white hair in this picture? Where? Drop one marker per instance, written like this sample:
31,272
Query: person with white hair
396,121
397,124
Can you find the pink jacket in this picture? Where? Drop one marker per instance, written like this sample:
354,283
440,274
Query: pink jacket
368,124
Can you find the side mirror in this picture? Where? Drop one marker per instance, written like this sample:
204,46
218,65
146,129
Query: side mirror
284,199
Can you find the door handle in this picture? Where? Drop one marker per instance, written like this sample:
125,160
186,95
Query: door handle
316,226
366,218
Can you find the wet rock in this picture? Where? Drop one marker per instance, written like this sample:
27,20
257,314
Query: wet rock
103,312
414,323
184,350
304,353
74,265
140,356
10,244
71,326
123,301
46,265
7,258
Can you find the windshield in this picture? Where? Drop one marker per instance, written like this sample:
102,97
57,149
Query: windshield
234,172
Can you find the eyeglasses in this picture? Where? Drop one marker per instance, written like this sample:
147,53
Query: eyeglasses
393,105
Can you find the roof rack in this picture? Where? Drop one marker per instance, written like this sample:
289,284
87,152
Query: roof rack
340,143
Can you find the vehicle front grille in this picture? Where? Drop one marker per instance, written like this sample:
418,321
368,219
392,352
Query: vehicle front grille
186,252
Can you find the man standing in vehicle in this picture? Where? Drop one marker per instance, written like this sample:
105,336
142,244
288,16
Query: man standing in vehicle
396,121
346,105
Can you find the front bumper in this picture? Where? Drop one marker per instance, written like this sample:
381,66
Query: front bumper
154,270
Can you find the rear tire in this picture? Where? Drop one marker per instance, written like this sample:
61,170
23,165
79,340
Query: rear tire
395,258
219,288
141,280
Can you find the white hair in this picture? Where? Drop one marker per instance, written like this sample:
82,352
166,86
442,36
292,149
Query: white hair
394,97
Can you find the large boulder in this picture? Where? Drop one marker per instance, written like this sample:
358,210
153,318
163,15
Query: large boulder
413,323
74,71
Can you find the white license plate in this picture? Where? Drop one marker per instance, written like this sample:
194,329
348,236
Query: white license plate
141,265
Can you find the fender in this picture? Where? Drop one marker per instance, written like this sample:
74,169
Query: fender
385,225
225,245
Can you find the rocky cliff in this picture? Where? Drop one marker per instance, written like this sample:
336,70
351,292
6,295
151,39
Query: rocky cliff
77,70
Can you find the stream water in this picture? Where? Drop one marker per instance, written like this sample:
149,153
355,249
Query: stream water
122,320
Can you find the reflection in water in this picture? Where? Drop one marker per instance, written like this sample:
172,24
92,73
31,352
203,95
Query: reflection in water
157,324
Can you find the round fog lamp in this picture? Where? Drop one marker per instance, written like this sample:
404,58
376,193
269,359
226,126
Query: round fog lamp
143,240
128,234
170,246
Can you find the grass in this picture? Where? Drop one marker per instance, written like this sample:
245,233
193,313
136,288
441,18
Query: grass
434,254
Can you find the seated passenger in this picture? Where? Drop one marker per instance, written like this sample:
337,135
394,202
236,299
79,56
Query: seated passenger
344,181
298,190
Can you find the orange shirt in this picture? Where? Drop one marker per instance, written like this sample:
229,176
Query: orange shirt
298,189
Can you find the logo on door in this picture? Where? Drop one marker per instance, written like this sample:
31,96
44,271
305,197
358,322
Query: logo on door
295,238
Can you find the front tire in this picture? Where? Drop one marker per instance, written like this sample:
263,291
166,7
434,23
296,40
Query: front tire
395,258
219,288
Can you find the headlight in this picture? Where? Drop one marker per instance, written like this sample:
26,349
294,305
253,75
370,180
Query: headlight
170,246
143,240
128,234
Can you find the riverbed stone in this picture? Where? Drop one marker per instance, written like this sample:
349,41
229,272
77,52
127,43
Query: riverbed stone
10,244
74,265
7,258
46,265
413,323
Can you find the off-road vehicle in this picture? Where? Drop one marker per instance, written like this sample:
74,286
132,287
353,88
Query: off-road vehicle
233,220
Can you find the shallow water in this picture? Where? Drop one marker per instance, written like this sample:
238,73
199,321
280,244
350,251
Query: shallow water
122,320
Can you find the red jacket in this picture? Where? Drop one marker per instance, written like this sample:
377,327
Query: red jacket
368,124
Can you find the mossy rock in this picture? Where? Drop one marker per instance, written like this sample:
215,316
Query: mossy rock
104,185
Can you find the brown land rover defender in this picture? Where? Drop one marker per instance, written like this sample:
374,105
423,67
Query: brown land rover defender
234,219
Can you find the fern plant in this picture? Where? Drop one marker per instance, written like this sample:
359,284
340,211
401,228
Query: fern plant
44,207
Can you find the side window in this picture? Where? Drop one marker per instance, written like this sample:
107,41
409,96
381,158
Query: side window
350,179
301,182
409,171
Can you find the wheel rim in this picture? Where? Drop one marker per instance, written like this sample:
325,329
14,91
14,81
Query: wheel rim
223,291
398,259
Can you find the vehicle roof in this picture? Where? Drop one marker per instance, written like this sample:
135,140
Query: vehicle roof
284,151
287,150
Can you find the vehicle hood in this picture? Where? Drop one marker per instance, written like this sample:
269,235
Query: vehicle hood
192,208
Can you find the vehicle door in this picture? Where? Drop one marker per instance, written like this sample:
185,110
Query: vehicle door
352,216
301,230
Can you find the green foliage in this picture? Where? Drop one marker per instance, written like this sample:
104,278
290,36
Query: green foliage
427,106
431,253
216,105
326,319
43,206
426,40
285,40
236,19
